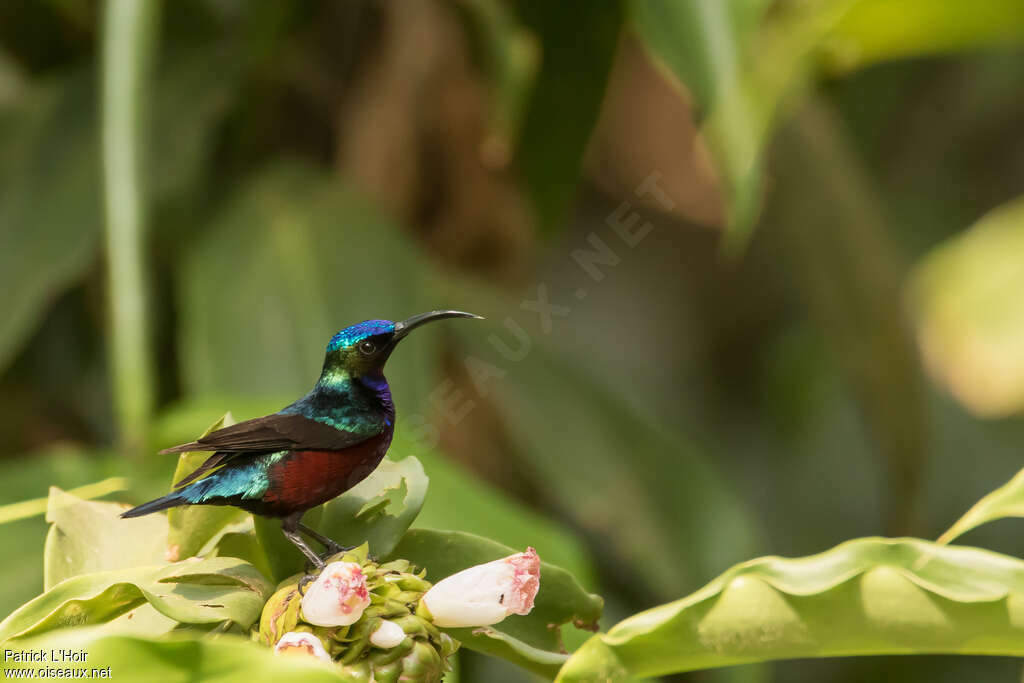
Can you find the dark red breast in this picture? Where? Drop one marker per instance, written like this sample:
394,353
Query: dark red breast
305,479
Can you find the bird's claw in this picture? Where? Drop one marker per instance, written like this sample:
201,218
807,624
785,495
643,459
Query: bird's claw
314,568
305,581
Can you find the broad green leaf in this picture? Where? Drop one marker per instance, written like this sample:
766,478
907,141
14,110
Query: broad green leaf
144,620
969,317
532,641
1005,501
244,546
89,536
49,200
701,41
378,509
876,30
192,527
225,659
197,592
869,596
307,258
566,99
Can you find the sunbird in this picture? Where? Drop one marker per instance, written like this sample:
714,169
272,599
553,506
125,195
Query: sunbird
311,451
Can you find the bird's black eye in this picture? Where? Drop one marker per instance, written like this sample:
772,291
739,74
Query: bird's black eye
367,348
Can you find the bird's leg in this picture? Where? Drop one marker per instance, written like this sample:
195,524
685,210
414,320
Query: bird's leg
290,528
333,547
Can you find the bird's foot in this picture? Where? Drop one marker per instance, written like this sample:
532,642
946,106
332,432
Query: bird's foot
305,581
313,567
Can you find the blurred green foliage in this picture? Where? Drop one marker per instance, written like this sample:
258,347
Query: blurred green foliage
312,164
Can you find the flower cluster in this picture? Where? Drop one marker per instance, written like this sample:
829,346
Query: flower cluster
381,621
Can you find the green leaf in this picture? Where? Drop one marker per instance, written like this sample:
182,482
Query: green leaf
244,546
566,98
869,596
741,69
225,659
192,527
198,592
89,536
533,641
49,200
703,42
968,315
876,30
1005,501
144,620
378,509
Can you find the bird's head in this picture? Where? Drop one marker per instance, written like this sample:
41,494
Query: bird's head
361,350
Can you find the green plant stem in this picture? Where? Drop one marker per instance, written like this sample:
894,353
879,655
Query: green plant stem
13,512
129,43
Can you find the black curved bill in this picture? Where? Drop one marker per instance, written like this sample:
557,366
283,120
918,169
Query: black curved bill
406,326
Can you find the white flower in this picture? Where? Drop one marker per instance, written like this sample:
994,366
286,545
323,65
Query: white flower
337,597
487,593
298,643
387,635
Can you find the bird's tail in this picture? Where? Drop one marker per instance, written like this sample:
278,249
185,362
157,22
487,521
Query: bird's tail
170,500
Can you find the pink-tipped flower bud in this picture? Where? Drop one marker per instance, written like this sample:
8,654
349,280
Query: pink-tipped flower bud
337,597
387,635
487,593
301,644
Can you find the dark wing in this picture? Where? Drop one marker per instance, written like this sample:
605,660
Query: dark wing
209,464
280,431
